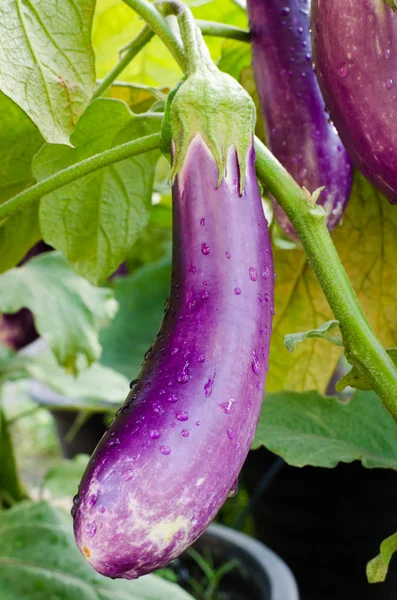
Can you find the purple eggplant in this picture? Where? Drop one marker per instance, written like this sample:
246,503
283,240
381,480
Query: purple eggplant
355,54
297,127
172,455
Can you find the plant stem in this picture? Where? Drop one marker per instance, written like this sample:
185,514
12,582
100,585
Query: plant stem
78,170
363,349
212,28
159,25
136,45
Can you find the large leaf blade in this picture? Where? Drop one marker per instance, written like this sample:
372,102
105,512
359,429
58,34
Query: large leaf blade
47,62
39,559
96,219
310,429
68,311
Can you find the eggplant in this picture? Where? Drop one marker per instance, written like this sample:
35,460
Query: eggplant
355,55
297,128
172,455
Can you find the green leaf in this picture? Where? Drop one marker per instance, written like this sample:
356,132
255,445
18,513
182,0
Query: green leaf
378,567
141,299
357,380
19,141
11,489
323,332
68,311
236,56
39,559
367,245
96,219
139,97
115,25
96,388
309,429
155,242
12,365
47,63
62,479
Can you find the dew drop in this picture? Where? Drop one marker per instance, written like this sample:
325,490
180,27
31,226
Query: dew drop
192,268
387,54
255,363
205,249
237,291
161,392
285,11
234,490
126,475
300,30
76,499
182,376
267,298
182,415
185,433
198,423
228,255
154,434
228,407
172,398
389,84
343,70
201,358
134,383
230,434
209,385
202,221
253,274
205,295
157,408
148,353
174,351
114,442
165,450
148,385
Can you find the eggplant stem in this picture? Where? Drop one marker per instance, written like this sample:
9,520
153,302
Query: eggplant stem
78,170
363,349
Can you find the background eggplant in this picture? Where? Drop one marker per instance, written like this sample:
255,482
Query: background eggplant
297,127
355,54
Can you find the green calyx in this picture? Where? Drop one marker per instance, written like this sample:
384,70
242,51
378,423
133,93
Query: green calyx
208,103
392,4
213,105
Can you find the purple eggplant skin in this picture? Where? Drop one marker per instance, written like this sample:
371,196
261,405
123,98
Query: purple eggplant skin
355,54
297,127
174,451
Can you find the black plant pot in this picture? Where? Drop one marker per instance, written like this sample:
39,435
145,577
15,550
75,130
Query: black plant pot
262,574
327,523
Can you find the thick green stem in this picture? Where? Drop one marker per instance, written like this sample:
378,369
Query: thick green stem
159,25
196,51
136,45
78,170
362,346
363,349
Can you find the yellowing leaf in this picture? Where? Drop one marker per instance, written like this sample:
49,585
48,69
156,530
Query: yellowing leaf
367,245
